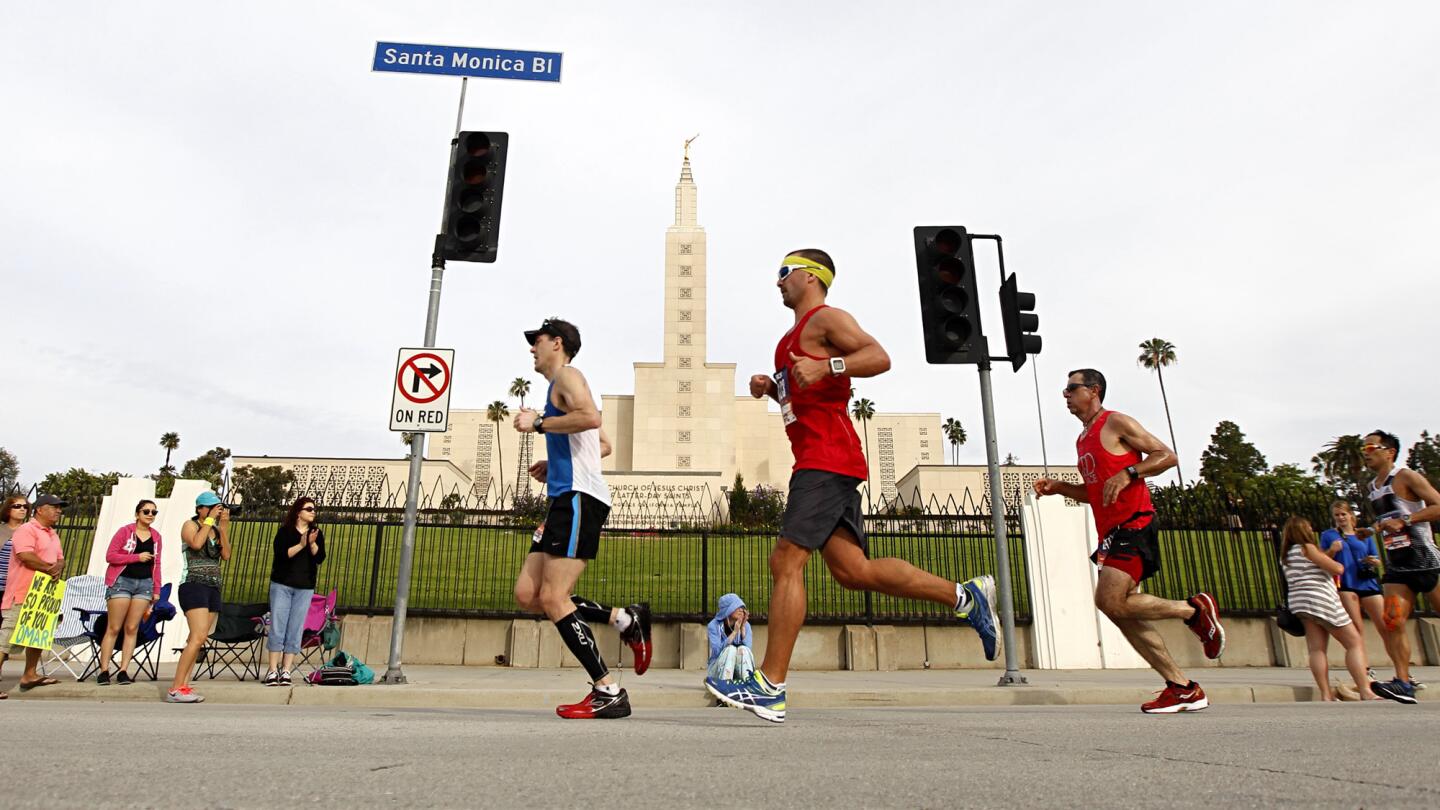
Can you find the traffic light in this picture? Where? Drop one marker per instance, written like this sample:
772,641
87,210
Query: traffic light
1017,310
949,308
472,196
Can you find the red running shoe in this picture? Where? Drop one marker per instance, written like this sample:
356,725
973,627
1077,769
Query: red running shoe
637,636
1206,624
597,706
1175,699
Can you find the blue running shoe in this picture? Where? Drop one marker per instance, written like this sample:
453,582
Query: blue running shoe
1396,690
981,614
750,695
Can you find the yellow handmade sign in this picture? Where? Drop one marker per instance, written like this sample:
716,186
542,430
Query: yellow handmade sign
35,624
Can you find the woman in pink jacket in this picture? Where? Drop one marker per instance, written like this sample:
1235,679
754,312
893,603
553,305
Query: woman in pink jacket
132,582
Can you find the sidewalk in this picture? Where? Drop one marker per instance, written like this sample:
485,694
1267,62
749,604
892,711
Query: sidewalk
504,688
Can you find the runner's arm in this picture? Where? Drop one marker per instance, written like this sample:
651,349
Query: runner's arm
1157,458
605,447
580,411
863,354
1051,486
1423,490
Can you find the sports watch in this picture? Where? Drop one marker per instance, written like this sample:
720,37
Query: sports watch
538,424
1132,472
837,366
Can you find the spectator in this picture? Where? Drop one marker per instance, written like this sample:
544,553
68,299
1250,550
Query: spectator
35,547
299,550
1360,583
15,511
1308,573
132,584
207,543
731,658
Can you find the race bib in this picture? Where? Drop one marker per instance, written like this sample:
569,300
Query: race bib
1400,539
782,393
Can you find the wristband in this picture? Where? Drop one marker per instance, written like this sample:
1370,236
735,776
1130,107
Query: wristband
209,521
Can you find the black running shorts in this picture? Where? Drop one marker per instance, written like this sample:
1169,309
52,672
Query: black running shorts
1134,551
1417,581
572,528
820,502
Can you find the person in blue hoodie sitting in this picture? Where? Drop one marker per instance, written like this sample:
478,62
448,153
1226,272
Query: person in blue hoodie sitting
731,656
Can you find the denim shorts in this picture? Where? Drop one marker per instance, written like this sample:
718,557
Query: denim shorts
131,588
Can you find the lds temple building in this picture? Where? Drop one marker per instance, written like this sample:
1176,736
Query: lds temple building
682,435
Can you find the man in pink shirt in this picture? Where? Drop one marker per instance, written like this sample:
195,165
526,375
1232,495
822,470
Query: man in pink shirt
35,547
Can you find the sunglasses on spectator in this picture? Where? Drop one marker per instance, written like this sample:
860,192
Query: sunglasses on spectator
18,506
149,511
307,509
1072,386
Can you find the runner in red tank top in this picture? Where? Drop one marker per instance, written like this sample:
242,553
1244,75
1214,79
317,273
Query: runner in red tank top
1116,454
813,366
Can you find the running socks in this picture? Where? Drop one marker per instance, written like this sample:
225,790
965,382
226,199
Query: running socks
581,642
766,686
596,612
962,598
611,689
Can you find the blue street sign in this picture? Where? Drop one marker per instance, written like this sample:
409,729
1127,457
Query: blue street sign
448,60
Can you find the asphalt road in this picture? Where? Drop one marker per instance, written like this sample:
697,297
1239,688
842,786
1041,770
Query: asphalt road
84,754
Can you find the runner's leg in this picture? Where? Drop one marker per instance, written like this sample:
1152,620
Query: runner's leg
1399,602
888,575
1113,590
527,584
560,576
787,608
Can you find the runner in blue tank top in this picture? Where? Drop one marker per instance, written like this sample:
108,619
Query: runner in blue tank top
570,536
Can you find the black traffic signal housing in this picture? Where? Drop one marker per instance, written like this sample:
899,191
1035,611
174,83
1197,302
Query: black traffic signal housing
473,195
1017,310
949,306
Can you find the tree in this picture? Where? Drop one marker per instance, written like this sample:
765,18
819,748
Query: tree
208,466
497,412
1231,459
9,471
1342,463
739,501
519,387
169,441
262,486
864,410
1424,457
955,434
1156,354
1011,460
1283,481
164,481
79,484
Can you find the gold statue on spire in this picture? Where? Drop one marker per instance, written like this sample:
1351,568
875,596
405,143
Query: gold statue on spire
687,145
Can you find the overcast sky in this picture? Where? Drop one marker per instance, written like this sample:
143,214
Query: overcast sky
217,220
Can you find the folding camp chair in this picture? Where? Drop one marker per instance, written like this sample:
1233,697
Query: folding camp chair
234,646
312,638
147,638
84,597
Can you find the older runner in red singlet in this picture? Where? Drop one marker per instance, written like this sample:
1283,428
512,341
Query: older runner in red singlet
813,366
1116,454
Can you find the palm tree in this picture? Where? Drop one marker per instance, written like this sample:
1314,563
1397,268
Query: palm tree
1343,460
955,434
1156,354
519,387
169,441
497,412
864,410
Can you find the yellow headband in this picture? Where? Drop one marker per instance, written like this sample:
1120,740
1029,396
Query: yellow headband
816,269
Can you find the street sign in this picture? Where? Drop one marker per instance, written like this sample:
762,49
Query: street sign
420,400
449,60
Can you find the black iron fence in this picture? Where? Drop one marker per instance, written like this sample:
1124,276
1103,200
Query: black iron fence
468,567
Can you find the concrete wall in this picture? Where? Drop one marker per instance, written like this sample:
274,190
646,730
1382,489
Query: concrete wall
1251,642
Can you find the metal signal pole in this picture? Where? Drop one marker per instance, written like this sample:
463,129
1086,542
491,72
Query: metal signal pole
393,673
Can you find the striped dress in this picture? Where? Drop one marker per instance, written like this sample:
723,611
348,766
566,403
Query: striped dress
1312,590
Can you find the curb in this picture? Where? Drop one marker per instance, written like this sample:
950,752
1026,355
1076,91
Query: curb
411,696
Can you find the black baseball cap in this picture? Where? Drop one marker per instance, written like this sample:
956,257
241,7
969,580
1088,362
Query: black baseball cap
51,500
557,328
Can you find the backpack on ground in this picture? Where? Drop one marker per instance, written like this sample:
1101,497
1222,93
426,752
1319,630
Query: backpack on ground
342,670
